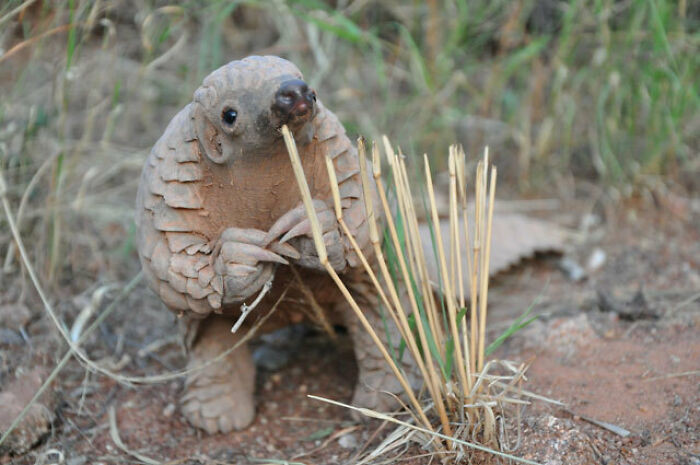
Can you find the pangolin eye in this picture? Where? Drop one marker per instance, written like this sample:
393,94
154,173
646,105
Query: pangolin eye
229,116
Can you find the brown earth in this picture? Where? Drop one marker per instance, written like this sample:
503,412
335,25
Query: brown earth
632,363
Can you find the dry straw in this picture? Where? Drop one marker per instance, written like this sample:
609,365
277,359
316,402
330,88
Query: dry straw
465,399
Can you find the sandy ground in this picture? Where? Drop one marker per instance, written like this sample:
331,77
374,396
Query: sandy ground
621,347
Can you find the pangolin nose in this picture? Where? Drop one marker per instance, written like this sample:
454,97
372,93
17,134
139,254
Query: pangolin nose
295,97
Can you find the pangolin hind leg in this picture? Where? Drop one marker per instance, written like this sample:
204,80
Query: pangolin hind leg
375,378
219,397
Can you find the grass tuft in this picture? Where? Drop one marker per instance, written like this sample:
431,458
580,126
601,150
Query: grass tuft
465,398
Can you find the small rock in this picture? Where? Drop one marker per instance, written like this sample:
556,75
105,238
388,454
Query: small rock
347,441
589,222
277,347
14,316
596,260
169,410
645,437
79,460
563,336
289,336
572,269
556,441
38,420
637,308
270,358
226,455
9,337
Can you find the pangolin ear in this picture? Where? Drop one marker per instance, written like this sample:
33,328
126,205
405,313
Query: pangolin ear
213,140
216,146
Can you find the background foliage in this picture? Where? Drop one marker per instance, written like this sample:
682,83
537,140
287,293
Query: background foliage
570,96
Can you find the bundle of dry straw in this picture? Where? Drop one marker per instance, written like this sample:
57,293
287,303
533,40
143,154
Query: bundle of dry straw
462,404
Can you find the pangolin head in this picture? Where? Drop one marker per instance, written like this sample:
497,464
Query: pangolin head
247,101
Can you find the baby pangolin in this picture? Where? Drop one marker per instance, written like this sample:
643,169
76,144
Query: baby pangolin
219,215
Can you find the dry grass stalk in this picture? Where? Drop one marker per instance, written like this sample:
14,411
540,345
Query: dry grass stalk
323,257
430,373
381,416
317,315
461,389
116,438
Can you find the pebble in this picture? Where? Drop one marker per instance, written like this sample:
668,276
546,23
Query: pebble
572,269
276,348
270,358
596,260
347,441
14,316
37,422
79,460
169,410
9,337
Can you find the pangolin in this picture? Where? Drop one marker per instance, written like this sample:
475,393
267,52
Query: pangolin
219,215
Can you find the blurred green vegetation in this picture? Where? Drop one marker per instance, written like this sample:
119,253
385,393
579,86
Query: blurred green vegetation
600,92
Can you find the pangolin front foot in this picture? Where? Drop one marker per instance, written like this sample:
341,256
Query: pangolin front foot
220,397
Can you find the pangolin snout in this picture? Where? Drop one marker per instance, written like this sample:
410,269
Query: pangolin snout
294,99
